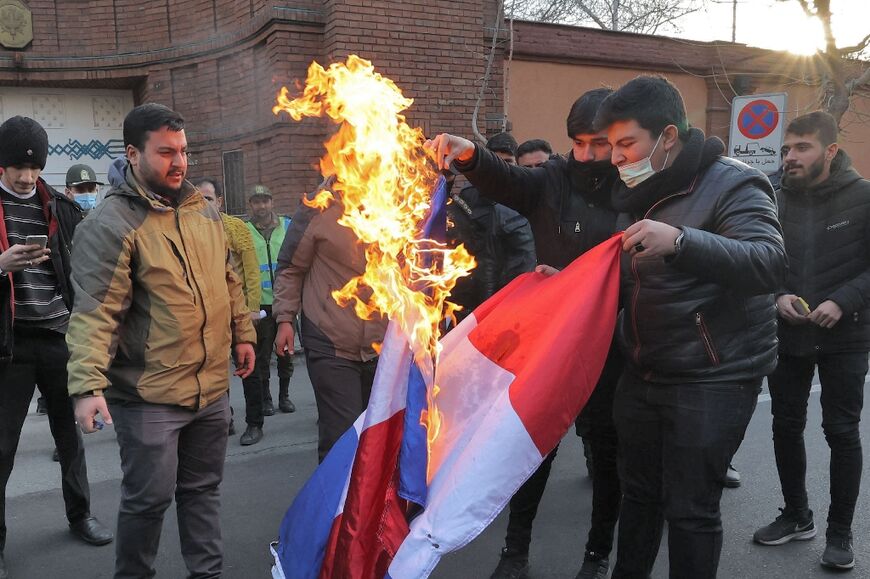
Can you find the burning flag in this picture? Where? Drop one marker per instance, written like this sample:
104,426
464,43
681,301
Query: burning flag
494,396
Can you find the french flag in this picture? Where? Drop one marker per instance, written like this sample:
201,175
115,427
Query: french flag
512,377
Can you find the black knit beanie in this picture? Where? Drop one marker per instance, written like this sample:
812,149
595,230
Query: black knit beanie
23,141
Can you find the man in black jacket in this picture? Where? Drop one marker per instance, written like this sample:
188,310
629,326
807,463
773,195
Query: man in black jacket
34,350
824,310
498,237
567,202
703,254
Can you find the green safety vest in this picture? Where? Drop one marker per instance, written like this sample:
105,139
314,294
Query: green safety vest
267,256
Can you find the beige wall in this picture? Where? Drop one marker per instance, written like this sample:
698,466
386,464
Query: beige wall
541,94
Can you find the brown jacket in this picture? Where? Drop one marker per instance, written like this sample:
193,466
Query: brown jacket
317,257
156,303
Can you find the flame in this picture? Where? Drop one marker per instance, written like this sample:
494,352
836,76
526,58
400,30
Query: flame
383,179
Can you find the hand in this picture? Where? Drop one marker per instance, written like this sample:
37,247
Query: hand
787,312
244,360
649,238
446,148
826,315
284,339
255,317
86,411
547,270
18,257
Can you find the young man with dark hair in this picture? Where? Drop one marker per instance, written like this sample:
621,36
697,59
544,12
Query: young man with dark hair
567,203
157,306
824,310
534,153
35,300
703,256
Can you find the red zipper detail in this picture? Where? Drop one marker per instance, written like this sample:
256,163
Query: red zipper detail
705,337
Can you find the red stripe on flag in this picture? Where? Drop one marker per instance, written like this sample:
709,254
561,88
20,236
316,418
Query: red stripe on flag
367,535
532,327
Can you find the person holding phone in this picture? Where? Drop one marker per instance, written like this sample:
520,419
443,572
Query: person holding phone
36,229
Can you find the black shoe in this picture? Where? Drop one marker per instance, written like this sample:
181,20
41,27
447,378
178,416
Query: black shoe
732,478
511,565
286,405
789,526
232,429
268,408
3,573
252,435
838,552
594,567
92,531
41,408
55,456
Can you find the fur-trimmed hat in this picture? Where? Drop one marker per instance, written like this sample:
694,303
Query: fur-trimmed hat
23,141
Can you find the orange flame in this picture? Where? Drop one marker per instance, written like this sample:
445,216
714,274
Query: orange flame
384,180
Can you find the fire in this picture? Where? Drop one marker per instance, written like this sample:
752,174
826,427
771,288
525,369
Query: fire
384,181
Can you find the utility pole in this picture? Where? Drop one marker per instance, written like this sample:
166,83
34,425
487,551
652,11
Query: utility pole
734,21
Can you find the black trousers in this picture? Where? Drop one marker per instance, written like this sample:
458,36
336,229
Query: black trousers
675,443
341,390
842,397
257,385
40,357
596,422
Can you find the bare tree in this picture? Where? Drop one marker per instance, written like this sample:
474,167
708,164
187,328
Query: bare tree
844,76
645,16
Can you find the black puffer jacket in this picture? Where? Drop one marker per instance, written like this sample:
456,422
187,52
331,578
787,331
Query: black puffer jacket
827,239
498,237
63,216
569,211
706,314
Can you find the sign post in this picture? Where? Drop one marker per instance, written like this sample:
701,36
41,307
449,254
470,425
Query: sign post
757,129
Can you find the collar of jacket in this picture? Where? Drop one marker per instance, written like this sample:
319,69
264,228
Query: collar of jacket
842,175
132,189
593,180
697,154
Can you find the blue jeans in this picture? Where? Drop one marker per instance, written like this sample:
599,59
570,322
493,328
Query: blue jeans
675,444
842,379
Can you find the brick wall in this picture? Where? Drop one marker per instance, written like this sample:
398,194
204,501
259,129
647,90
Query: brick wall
221,63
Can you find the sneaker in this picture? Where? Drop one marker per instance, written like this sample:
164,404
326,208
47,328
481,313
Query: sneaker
838,553
594,567
41,408
789,526
511,565
732,478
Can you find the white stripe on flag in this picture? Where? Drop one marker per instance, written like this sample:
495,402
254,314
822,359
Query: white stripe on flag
481,457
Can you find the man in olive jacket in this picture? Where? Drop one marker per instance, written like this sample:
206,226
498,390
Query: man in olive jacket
824,310
156,307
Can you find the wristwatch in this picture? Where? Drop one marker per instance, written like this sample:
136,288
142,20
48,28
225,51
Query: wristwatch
678,243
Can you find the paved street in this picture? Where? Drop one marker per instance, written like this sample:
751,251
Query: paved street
260,482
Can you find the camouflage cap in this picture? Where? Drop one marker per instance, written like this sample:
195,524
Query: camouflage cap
259,191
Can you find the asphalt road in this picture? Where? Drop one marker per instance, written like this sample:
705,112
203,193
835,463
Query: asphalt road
261,480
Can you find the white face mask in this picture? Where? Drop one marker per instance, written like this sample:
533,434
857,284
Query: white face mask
636,173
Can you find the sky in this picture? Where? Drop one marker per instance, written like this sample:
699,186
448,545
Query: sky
776,25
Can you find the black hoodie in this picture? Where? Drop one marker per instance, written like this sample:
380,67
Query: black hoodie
827,239
567,206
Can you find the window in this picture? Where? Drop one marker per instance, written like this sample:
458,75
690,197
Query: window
234,182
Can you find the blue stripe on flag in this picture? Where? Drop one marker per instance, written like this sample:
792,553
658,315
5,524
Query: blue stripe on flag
306,526
414,453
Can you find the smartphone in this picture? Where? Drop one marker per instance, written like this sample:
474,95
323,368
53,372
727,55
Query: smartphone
40,240
801,306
